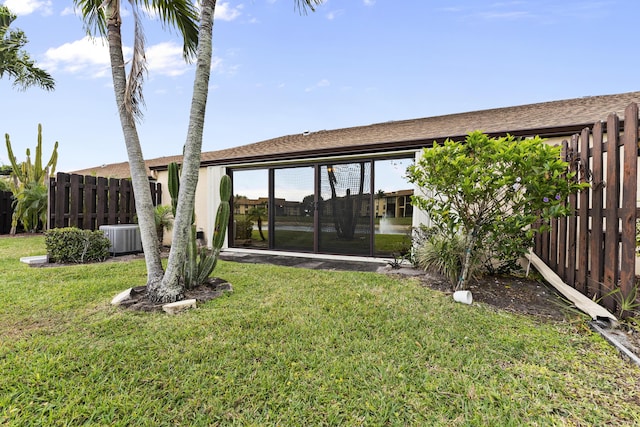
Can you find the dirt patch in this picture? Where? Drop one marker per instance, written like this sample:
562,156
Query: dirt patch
213,288
514,294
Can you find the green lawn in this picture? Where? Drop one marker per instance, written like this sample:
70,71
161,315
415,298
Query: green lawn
290,347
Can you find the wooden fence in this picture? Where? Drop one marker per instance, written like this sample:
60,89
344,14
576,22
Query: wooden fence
88,202
595,250
6,211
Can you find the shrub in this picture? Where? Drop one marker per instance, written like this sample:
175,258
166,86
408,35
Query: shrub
491,191
72,245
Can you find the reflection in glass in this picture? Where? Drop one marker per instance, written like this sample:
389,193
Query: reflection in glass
345,216
250,208
393,210
294,209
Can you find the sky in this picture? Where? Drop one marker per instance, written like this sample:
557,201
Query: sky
351,62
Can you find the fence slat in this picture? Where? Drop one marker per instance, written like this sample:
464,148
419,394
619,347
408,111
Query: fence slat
583,215
611,216
62,199
572,220
629,196
596,273
89,205
75,203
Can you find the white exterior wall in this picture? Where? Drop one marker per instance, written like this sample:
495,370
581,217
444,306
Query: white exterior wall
419,216
213,176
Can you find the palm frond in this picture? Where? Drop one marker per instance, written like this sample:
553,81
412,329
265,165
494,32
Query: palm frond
303,5
135,79
93,16
181,14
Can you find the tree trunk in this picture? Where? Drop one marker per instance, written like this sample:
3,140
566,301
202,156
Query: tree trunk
471,242
139,178
171,289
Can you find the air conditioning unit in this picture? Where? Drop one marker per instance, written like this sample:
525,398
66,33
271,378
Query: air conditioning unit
124,238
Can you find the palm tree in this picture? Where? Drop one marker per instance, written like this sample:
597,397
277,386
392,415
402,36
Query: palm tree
103,17
258,213
15,62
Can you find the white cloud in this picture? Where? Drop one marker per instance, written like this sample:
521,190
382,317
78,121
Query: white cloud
166,59
26,7
369,2
87,56
225,12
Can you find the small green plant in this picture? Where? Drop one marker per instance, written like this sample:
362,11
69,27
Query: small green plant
72,245
30,206
628,307
442,253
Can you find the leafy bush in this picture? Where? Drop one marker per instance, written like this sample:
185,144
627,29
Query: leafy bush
72,245
491,191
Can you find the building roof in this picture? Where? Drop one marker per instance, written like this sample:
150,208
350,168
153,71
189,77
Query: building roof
547,119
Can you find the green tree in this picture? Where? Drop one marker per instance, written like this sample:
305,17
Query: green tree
492,190
104,17
14,61
258,213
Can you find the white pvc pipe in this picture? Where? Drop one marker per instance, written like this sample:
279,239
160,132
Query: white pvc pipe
464,297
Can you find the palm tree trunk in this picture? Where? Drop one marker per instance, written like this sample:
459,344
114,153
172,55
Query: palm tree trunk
140,181
171,289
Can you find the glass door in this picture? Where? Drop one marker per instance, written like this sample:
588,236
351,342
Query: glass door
345,208
293,209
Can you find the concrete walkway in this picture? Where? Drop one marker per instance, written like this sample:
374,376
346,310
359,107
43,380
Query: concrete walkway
310,261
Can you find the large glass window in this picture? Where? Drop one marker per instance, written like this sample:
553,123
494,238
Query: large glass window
331,207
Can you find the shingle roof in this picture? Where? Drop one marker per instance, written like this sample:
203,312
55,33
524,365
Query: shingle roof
546,119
